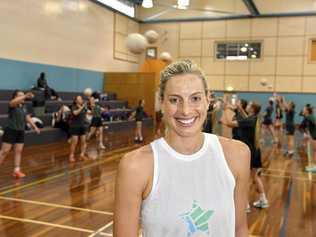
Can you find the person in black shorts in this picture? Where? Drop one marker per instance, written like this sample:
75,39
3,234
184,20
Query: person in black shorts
77,128
249,125
289,109
96,125
139,115
310,123
14,132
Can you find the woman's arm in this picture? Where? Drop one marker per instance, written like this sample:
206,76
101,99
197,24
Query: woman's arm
30,121
241,192
78,111
130,184
18,100
237,155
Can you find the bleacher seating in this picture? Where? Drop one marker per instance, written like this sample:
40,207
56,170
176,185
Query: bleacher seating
118,109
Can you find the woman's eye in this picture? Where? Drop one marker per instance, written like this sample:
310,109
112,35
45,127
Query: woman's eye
195,99
173,100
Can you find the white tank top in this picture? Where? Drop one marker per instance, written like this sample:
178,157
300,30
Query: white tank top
192,195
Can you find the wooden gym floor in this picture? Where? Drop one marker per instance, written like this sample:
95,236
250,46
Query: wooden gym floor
61,199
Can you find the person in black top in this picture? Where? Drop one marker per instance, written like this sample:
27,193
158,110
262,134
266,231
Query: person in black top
96,125
310,123
303,127
77,128
208,127
139,115
236,131
14,132
289,109
267,123
278,120
249,125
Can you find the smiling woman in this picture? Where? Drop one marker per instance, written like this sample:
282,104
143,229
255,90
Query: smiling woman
186,183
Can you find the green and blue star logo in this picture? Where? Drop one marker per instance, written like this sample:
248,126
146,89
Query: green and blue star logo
197,219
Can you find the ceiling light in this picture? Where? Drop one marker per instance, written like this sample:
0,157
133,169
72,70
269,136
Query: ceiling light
183,4
243,49
147,3
229,88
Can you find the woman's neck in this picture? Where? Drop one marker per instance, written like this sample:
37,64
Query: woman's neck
185,145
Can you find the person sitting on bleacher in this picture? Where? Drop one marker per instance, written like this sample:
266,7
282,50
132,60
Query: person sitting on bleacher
42,92
61,119
106,113
38,101
14,132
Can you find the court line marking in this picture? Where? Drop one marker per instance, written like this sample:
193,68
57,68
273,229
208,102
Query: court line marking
99,231
57,205
112,158
287,177
67,227
70,172
289,172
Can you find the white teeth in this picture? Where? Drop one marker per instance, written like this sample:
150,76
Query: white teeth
186,121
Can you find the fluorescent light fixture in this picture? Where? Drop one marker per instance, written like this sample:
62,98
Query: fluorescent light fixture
240,57
243,49
229,88
119,6
183,3
147,3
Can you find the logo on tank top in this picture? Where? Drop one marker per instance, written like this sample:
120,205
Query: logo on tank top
197,219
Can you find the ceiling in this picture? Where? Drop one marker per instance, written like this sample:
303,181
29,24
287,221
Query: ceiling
166,10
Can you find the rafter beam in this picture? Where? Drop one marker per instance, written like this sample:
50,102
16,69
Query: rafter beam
252,7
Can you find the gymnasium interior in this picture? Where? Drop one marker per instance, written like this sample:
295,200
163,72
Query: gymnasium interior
256,50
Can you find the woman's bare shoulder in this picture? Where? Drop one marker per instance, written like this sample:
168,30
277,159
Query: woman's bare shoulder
138,161
237,154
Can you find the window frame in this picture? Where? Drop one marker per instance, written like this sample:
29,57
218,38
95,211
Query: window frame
242,41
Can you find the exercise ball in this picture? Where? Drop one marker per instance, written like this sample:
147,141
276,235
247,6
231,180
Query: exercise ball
263,82
165,56
136,43
87,92
151,36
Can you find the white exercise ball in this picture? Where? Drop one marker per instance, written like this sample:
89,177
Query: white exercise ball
87,92
165,56
151,36
136,43
263,82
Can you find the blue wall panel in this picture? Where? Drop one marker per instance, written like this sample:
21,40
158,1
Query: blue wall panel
23,75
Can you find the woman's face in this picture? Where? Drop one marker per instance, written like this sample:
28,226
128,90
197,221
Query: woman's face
92,101
20,93
249,109
184,105
79,100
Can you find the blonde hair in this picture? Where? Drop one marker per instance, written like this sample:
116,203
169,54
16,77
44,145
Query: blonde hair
178,68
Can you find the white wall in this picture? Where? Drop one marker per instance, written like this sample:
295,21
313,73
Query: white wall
46,31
